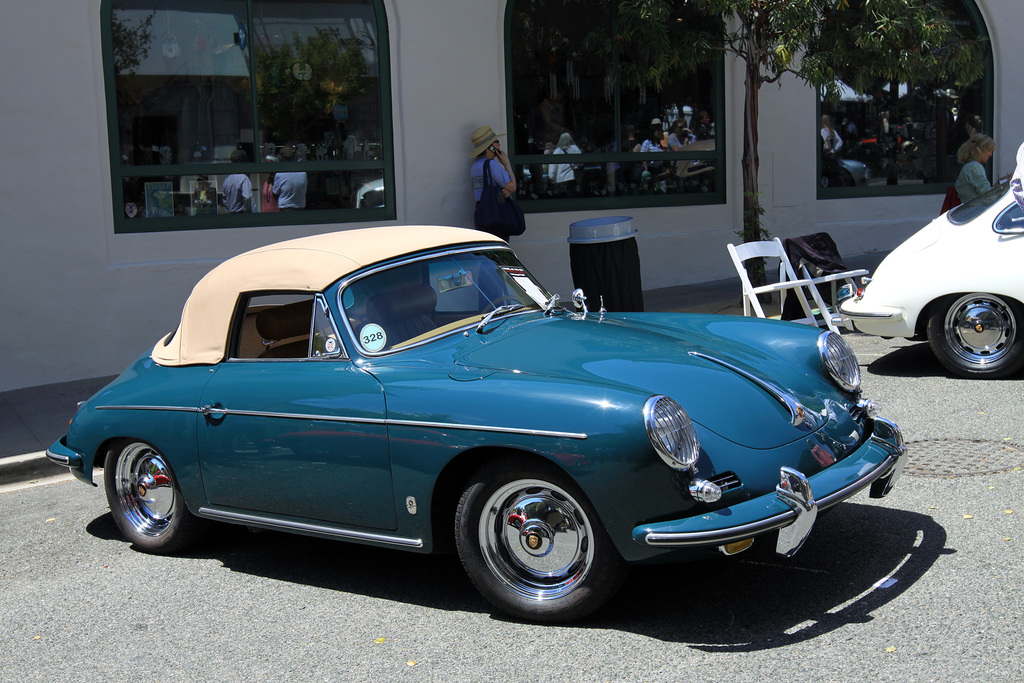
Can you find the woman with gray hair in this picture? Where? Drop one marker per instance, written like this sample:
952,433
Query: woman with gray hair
563,176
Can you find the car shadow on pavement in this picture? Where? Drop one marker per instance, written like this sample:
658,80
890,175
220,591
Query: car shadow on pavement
912,360
857,559
433,581
917,360
753,601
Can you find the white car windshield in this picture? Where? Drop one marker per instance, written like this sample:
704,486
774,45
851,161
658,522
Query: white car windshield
415,301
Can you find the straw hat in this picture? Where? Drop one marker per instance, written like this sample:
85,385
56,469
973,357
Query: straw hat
481,139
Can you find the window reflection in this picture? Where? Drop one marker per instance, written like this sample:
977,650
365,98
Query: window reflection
203,195
900,134
182,76
317,79
625,178
285,91
897,134
567,99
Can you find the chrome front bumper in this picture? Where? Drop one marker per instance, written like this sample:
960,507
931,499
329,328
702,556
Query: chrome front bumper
793,509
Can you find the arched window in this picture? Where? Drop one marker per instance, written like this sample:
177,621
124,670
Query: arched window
902,138
581,138
231,113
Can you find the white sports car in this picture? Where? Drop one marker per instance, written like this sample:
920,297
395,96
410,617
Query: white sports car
959,283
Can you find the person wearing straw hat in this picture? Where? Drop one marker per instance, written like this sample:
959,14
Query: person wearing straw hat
487,146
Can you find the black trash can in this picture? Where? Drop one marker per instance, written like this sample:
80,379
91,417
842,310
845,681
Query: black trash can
605,263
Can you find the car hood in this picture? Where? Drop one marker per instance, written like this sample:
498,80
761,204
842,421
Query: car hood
723,370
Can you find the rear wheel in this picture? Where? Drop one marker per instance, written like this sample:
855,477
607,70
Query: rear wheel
146,501
533,545
977,335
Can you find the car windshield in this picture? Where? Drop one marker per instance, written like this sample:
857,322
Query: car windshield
968,211
413,302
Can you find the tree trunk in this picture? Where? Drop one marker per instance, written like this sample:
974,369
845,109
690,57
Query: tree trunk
752,231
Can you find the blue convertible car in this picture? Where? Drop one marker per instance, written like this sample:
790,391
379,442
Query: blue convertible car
417,388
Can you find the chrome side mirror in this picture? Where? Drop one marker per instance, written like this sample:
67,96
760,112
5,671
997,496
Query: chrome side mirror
579,300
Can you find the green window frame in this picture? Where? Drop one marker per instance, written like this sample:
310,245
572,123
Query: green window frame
203,95
905,145
546,52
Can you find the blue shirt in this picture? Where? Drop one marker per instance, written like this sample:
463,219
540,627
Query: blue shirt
499,176
290,189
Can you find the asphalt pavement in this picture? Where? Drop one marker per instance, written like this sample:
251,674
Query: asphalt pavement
33,418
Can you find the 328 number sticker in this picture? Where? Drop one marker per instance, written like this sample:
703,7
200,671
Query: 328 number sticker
373,337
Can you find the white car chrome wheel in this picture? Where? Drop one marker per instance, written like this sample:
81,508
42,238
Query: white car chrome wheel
976,335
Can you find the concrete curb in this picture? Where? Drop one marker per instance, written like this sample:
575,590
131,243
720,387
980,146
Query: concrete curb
27,467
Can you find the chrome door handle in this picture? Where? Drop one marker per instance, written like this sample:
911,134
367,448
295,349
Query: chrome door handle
212,411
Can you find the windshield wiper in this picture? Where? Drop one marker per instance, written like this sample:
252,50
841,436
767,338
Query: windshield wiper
507,308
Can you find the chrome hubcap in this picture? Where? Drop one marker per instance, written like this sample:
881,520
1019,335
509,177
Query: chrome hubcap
144,489
980,328
536,539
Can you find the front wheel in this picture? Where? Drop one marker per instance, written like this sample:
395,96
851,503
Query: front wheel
977,335
532,544
146,501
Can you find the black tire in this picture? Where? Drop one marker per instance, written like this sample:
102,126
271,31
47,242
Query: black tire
145,500
977,335
533,545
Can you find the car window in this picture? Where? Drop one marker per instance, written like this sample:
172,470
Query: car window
968,211
1010,221
410,303
282,326
326,342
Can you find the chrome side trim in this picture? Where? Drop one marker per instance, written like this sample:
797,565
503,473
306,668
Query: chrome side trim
800,415
221,412
172,409
582,436
303,527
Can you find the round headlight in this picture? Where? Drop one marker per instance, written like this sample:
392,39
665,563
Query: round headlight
839,360
671,432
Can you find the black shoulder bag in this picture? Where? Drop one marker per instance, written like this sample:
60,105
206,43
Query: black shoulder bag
497,214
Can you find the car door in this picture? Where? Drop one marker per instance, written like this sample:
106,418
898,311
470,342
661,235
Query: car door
289,426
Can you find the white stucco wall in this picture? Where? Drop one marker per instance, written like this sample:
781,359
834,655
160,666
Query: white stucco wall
78,301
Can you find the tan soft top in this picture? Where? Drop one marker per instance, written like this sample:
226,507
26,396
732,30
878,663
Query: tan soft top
304,264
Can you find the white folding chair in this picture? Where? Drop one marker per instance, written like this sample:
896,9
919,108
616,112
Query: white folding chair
830,279
787,281
835,278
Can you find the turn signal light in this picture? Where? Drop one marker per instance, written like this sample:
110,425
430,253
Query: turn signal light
703,491
737,547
